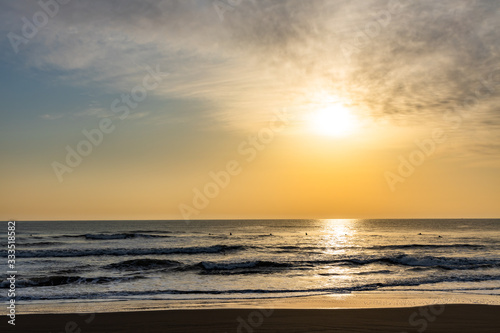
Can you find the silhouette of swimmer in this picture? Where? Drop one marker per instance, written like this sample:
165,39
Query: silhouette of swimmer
420,233
440,237
306,233
230,234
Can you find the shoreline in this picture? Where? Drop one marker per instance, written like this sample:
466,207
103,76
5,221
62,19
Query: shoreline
355,300
442,318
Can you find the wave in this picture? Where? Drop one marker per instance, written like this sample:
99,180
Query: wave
414,263
388,247
142,231
58,280
128,252
411,261
246,267
383,271
143,264
442,262
408,282
122,236
204,266
73,270
426,246
302,248
39,244
108,236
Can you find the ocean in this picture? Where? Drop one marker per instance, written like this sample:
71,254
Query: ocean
68,262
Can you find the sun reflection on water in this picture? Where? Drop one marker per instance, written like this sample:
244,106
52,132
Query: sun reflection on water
337,241
337,235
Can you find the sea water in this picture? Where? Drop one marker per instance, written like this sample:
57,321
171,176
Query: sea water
66,262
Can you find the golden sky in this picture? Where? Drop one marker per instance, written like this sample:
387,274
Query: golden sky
250,109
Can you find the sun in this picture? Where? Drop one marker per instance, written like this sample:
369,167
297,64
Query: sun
333,120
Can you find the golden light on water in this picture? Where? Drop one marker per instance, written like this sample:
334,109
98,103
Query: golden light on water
339,227
337,238
338,233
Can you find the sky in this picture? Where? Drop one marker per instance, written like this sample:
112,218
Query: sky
249,109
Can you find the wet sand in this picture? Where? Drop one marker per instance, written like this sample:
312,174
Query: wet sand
437,318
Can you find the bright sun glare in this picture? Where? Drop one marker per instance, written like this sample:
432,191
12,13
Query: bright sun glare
333,119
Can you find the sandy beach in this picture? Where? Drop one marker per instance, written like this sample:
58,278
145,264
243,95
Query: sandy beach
437,318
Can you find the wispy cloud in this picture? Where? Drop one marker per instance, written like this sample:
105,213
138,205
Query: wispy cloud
421,61
51,116
98,112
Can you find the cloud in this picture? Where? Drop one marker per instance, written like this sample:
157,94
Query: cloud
51,116
94,111
419,61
